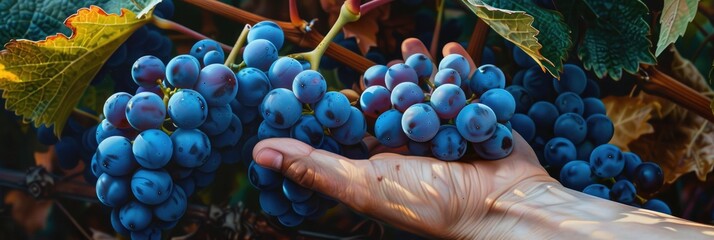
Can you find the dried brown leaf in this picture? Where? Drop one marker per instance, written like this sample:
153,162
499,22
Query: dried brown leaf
630,116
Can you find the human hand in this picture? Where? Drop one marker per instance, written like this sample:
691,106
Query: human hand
419,194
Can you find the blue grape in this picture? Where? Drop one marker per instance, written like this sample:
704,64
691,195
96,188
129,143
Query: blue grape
212,163
584,149
329,144
106,129
296,193
421,64
501,102
600,129
598,190
353,130
145,110
358,151
538,83
447,75
253,86
135,216
522,59
265,131
173,208
267,30
230,136
217,84
182,71
558,151
522,97
388,129
524,125
400,73
115,157
307,207
149,233
448,145
246,153
576,175
420,122
607,161
260,54
202,47
113,191
333,109
569,102
95,166
593,106
217,120
632,161
623,191
517,79
151,186
485,78
648,177
283,71
46,136
309,86
190,147
374,76
152,149
156,90
456,62
280,108
405,95
657,205
116,223
544,114
476,122
68,152
375,100
146,70
308,130
419,148
213,57
245,113
290,218
488,56
115,109
165,9
187,109
592,89
448,100
572,80
188,185
274,202
262,178
498,146
571,126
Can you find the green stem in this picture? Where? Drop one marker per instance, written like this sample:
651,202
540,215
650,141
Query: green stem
473,97
86,114
236,48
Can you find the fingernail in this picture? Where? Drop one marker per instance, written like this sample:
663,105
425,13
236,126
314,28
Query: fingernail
270,158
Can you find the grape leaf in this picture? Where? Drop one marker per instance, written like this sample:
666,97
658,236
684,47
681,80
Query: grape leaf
37,19
43,81
522,22
363,30
674,19
630,116
616,39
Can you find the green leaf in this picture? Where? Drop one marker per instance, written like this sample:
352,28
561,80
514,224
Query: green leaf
574,11
617,39
44,80
36,19
541,33
675,17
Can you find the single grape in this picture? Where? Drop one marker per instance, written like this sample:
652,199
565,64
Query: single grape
212,163
187,109
309,86
116,223
260,54
522,59
597,190
308,130
115,109
632,161
307,207
485,78
230,136
68,152
559,151
476,122
388,129
358,151
267,30
517,79
135,216
262,178
144,111
571,126
115,157
152,149
400,73
274,202
353,130
447,75
190,147
217,84
592,89
296,193
524,125
46,136
182,71
657,205
213,57
374,76
456,62
623,191
188,185
569,102
522,97
539,84
245,113
329,144
420,122
202,47
584,149
217,120
146,70
498,146
600,129
607,161
421,64
576,175
375,100
448,145
291,218
648,177
265,131
448,100
113,191
151,186
149,233
280,108
172,208
333,109
572,79
593,106
282,72
501,102
405,95
544,115
253,86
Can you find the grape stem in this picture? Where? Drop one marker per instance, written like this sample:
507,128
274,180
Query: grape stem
85,114
472,98
660,84
346,16
437,27
166,24
236,48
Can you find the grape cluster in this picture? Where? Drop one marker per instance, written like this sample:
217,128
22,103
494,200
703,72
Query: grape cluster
432,115
158,146
566,124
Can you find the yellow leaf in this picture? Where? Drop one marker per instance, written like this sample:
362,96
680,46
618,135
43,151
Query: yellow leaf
630,116
43,81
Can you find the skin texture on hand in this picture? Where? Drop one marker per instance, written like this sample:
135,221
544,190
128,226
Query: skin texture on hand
419,194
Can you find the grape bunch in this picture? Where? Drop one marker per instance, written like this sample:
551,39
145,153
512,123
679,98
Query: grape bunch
432,115
566,124
158,146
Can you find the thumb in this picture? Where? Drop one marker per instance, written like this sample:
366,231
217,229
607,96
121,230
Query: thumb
331,174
